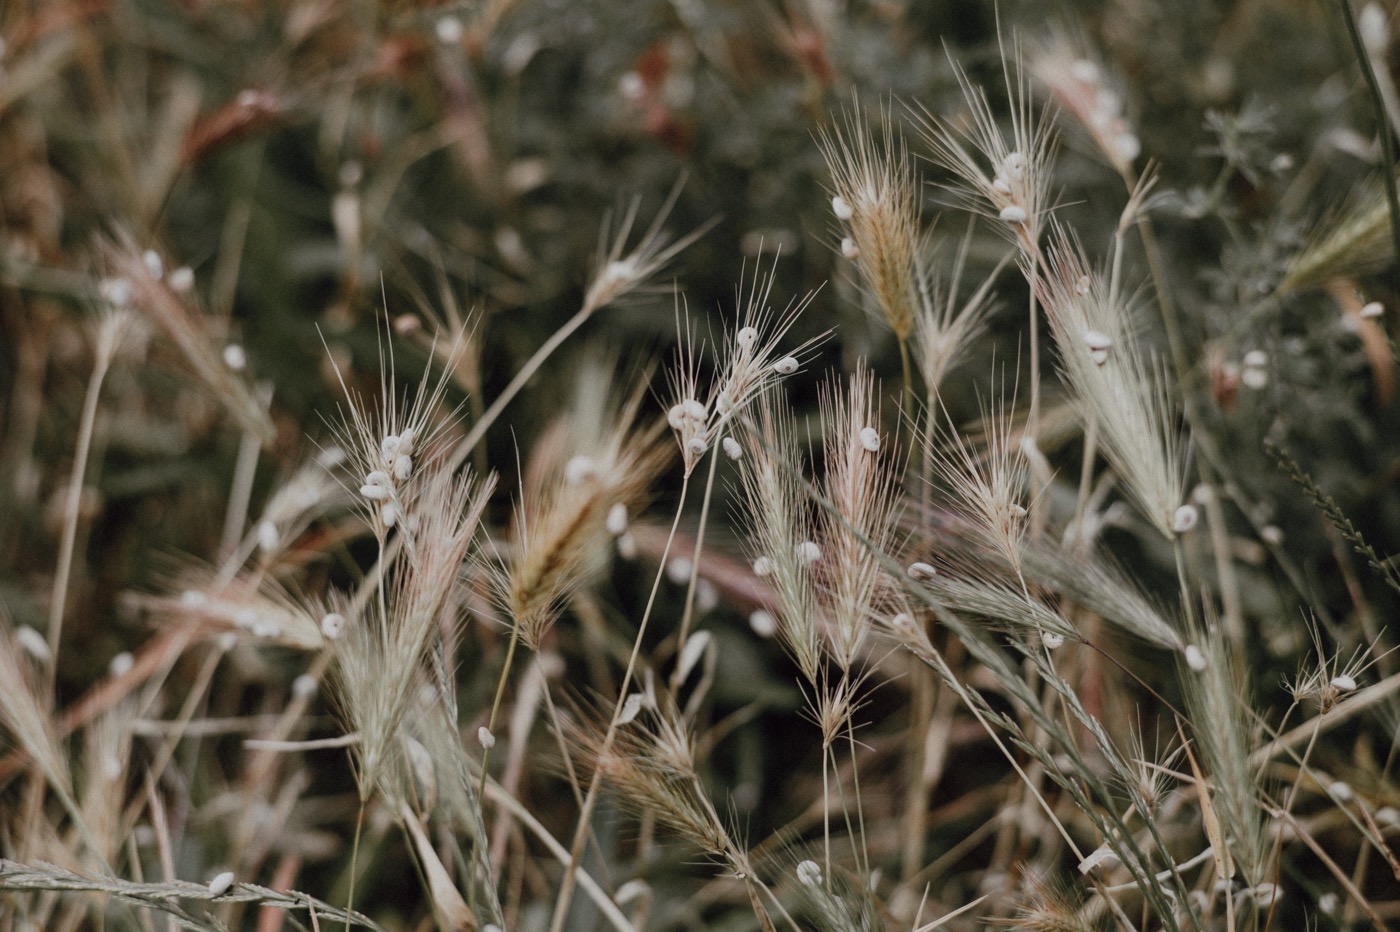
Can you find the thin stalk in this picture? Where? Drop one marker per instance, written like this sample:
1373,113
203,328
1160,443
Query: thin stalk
860,809
354,863
496,703
72,509
688,615
561,905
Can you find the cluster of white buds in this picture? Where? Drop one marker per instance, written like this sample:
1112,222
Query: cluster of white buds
1011,188
381,485
689,418
1104,114
1255,373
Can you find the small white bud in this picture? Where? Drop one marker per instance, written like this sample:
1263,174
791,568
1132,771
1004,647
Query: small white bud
181,280
1001,185
1341,792
332,625
1388,816
706,596
1195,659
631,708
1372,310
121,664
486,739
1084,71
732,448
389,514
1343,683
235,358
763,567
221,883
676,416
579,468
841,208
695,410
627,546
1184,519
267,536
1098,356
870,439
679,569
763,623
617,519
115,291
448,30
331,457
809,873
902,621
403,467
1127,146
849,249
1102,856
33,643
695,447
747,337
1083,285
1254,378
785,366
1097,340
922,571
1014,166
375,493
632,891
1256,358
1052,641
227,641
1271,534
1327,903
406,440
154,266
808,552
304,686
1013,213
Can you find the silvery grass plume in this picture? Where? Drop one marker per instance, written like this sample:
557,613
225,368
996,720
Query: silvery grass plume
833,901
944,328
248,605
382,650
594,459
860,482
1354,240
134,283
1215,686
25,716
619,271
1097,584
1117,389
875,197
751,362
985,488
307,494
779,521
1003,176
1081,87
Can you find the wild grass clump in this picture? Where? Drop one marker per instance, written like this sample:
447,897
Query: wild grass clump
523,467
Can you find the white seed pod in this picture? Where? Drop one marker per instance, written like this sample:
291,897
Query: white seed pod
870,439
579,468
485,738
267,536
375,493
1101,857
676,416
1341,792
706,596
403,467
617,519
631,708
841,208
849,249
922,571
1014,165
1372,310
1084,71
181,280
785,366
115,291
332,625
1253,378
221,883
679,570
809,873
1052,640
633,891
1098,356
304,686
1185,519
33,643
1343,683
406,437
762,623
902,621
1001,185
695,410
1195,659
763,567
732,448
235,358
1271,534
1013,213
389,514
627,546
449,30
121,664
808,552
746,337
1127,146
1256,358
1328,902
1097,340
695,447
152,261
